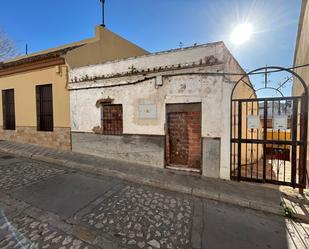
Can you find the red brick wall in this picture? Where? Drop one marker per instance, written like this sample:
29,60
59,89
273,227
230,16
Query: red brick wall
194,133
184,139
178,142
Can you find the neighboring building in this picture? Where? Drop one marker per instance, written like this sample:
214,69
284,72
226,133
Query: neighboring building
301,56
167,109
35,100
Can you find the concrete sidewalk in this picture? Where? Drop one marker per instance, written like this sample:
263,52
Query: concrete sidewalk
254,196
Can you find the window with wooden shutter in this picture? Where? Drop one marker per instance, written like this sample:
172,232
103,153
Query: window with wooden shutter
112,119
44,104
8,107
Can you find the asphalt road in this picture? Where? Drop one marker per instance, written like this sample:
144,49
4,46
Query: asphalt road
44,206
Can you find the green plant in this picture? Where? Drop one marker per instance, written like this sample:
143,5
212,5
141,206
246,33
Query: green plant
288,212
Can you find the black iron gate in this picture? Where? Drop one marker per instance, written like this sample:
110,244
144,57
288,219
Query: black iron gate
269,140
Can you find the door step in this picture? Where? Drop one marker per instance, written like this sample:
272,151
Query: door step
181,168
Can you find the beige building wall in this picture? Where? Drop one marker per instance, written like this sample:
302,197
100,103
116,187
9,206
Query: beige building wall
24,85
302,53
25,97
302,48
106,46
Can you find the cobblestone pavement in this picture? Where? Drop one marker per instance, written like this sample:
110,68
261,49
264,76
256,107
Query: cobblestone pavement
16,173
144,218
128,216
27,232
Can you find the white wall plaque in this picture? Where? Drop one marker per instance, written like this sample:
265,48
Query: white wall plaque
253,121
147,111
280,122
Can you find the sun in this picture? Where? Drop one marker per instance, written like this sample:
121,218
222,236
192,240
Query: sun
241,34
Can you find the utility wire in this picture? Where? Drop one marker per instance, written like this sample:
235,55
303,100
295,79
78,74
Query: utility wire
279,70
190,73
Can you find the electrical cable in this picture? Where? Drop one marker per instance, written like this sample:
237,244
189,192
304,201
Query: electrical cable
182,74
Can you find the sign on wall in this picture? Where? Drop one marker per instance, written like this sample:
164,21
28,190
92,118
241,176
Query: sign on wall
147,111
253,121
280,122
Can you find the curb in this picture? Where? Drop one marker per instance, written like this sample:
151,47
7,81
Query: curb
201,193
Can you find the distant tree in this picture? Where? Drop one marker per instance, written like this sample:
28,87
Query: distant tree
7,47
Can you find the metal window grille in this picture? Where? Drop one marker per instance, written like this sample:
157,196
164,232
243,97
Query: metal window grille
8,109
112,120
44,99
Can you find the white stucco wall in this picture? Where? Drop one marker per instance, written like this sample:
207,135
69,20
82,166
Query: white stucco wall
212,91
207,90
157,60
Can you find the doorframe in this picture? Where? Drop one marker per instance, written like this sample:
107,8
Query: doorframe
166,166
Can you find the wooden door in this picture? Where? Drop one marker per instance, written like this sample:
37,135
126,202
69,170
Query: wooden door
183,140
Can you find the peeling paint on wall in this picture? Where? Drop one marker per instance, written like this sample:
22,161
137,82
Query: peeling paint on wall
144,101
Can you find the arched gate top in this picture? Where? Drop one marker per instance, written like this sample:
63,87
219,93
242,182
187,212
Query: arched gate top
268,70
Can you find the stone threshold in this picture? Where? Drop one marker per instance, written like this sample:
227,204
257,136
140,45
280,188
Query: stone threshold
183,168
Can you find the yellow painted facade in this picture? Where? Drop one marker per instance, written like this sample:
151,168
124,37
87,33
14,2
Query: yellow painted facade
106,46
25,95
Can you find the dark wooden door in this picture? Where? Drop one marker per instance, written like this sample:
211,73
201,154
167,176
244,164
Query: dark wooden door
112,120
8,109
183,140
178,138
44,99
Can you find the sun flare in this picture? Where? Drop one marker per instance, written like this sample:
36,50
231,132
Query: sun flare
241,34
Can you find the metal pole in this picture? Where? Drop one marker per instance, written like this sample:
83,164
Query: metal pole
264,139
103,12
239,138
294,141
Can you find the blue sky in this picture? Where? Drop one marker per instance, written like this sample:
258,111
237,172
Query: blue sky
160,25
